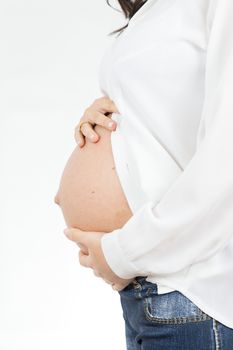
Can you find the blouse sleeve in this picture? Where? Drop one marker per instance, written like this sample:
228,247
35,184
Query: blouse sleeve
194,218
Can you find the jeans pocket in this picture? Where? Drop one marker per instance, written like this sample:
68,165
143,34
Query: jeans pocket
171,308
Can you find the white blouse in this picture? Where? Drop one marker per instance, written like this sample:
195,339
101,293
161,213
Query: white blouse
170,74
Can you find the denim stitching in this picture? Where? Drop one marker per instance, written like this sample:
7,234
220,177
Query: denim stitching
173,320
138,287
217,340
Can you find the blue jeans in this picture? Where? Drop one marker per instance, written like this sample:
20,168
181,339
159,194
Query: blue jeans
168,321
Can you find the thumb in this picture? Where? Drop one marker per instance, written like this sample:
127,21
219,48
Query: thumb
83,248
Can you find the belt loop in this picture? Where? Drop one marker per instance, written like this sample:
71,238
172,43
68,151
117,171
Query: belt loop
137,289
137,285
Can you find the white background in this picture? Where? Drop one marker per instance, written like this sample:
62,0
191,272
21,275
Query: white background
50,53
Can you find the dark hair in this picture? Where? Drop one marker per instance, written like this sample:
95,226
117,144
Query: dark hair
129,8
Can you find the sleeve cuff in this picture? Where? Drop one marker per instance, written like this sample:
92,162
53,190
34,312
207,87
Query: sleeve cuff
115,257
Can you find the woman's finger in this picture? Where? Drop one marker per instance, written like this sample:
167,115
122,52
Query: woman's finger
105,104
107,281
76,235
84,259
89,120
117,287
94,116
97,273
79,138
83,248
105,121
87,131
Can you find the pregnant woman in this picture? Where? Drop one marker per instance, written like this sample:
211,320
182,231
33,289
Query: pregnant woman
149,200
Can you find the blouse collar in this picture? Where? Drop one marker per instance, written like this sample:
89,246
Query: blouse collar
141,11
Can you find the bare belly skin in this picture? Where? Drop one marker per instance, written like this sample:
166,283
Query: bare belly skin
90,194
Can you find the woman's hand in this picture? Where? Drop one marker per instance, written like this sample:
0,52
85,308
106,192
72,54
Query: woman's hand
95,115
93,256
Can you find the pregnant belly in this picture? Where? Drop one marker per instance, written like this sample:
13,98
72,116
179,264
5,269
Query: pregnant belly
90,194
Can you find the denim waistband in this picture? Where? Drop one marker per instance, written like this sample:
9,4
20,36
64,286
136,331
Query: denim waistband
139,288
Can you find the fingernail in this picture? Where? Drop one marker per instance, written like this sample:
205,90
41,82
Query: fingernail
110,124
92,137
